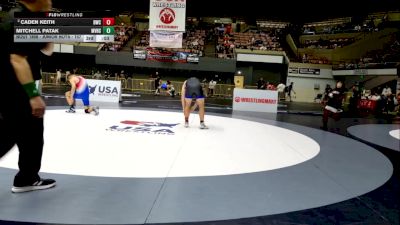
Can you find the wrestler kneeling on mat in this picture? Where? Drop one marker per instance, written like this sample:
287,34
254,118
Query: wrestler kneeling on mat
192,90
79,90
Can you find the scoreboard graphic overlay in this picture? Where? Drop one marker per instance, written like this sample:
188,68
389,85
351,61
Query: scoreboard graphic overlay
63,27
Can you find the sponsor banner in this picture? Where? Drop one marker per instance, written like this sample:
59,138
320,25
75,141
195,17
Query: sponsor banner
192,58
309,71
104,90
255,100
294,70
169,56
139,54
361,72
165,39
259,58
167,15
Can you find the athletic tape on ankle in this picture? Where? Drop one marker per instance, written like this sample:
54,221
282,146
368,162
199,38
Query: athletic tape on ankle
31,90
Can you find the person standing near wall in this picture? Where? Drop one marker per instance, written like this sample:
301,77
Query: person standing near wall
334,105
260,83
290,90
281,91
157,84
211,87
58,76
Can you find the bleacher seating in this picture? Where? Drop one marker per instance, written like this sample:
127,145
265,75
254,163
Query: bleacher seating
258,40
122,35
389,56
314,59
328,44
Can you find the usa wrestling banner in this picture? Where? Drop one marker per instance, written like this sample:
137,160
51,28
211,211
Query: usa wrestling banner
170,56
167,15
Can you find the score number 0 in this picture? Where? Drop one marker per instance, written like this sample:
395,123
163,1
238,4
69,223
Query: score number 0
108,21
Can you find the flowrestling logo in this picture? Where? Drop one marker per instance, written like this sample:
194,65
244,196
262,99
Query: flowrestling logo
144,127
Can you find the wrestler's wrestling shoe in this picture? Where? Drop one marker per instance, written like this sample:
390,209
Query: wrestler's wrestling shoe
203,126
71,110
96,110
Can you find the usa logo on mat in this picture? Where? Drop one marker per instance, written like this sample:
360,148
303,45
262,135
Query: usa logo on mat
144,127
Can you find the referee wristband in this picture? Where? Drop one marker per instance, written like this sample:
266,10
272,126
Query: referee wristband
31,90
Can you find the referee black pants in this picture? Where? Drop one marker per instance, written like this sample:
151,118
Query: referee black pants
18,127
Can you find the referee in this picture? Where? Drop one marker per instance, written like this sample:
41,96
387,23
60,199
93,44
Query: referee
22,108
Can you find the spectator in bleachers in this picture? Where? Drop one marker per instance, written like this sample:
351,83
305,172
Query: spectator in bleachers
328,44
221,30
122,75
121,37
270,87
313,59
397,104
305,58
389,56
374,96
386,91
193,42
260,83
97,75
259,40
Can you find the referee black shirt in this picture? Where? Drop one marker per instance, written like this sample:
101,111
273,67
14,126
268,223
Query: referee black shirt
8,46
